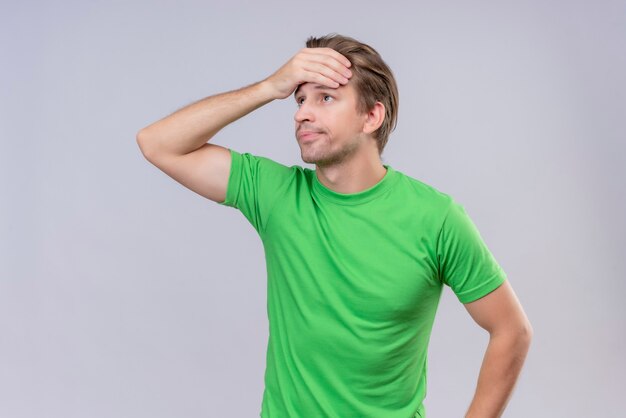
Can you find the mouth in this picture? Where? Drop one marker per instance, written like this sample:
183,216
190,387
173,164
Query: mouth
308,136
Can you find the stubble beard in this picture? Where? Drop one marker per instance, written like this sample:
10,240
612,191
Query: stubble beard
318,153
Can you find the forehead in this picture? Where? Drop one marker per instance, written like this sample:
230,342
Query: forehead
313,87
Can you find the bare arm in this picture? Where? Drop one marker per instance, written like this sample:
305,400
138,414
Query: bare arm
177,144
189,128
510,334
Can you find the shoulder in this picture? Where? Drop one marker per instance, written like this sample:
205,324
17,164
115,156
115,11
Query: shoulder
261,165
424,193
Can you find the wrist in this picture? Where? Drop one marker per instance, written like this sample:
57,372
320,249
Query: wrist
267,91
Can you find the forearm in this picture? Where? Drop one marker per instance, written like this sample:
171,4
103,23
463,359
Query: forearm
191,127
502,364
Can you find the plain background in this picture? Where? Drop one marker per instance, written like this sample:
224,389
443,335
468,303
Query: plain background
123,294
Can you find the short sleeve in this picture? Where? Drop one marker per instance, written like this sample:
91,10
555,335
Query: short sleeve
254,184
465,262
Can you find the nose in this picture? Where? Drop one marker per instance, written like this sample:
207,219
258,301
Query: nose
303,113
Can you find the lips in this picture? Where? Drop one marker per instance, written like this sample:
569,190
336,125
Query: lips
302,135
305,135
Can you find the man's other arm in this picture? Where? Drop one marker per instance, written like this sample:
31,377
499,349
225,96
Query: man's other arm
510,334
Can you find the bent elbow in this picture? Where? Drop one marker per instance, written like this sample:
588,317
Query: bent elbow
143,142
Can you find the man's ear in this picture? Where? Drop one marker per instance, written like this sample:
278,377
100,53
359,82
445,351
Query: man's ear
375,118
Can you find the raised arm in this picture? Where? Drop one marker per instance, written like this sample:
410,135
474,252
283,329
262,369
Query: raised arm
177,144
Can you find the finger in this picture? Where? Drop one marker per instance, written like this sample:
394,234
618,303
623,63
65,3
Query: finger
337,66
326,71
329,67
315,77
331,57
337,56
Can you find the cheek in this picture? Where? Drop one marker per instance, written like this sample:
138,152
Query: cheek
347,128
341,122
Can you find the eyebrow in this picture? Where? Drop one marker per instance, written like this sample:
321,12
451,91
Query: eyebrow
316,87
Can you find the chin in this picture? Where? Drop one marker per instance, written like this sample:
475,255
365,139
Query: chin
308,159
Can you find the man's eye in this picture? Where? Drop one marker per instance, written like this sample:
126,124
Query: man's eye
301,99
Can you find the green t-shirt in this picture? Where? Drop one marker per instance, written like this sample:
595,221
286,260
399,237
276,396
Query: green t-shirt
353,284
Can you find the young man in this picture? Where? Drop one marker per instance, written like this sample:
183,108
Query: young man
357,252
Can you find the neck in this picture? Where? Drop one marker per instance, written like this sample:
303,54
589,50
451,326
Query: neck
352,175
